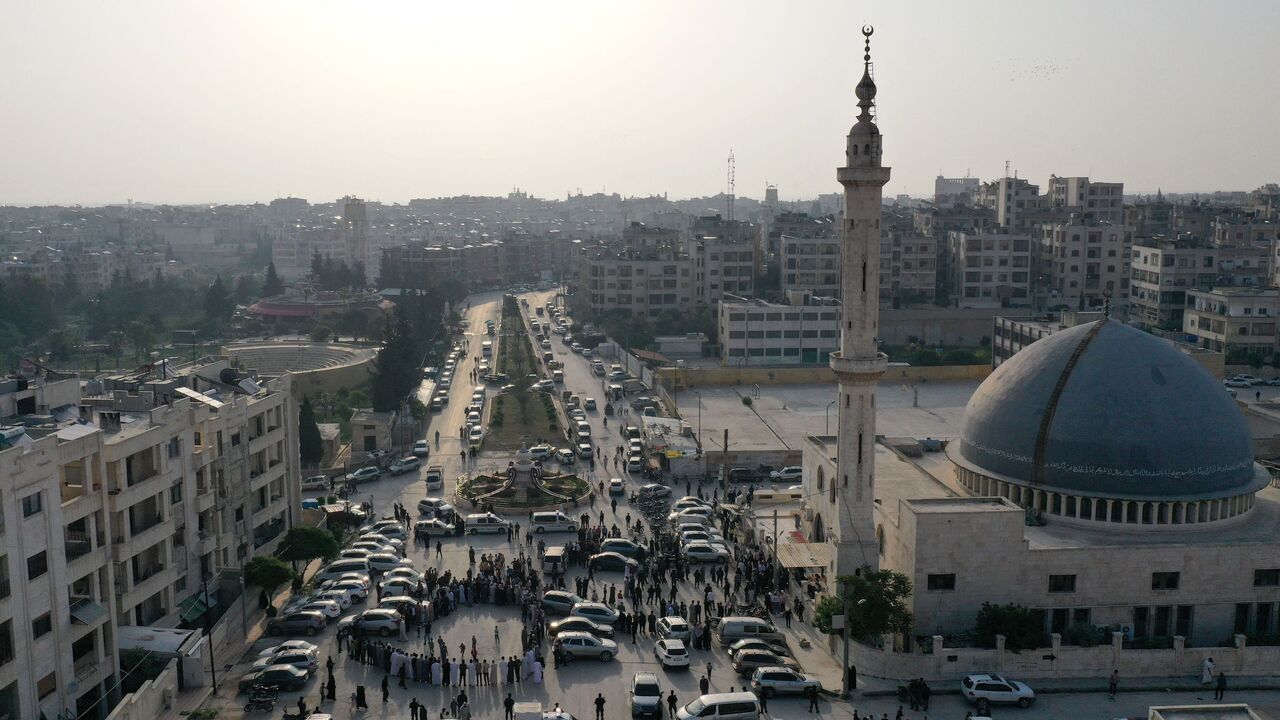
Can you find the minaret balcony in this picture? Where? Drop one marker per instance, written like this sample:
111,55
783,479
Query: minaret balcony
866,368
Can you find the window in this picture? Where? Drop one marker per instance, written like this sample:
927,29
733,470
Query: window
1266,578
1164,581
37,565
42,625
1062,583
32,504
942,582
235,439
175,494
47,685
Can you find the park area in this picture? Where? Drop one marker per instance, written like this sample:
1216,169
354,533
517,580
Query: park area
520,415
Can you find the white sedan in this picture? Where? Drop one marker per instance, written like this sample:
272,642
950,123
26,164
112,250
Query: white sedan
329,608
705,552
342,596
434,525
671,653
287,646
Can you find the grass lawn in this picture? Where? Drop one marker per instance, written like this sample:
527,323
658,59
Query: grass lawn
519,414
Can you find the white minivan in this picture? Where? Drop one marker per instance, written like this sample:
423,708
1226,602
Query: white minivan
545,522
485,522
722,706
583,428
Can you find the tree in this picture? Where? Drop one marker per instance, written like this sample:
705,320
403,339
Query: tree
310,447
354,324
320,333
877,604
115,341
267,572
1022,628
62,344
307,543
140,336
272,285
246,290
218,304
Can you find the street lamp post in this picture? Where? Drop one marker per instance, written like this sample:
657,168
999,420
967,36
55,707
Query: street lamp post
695,392
828,432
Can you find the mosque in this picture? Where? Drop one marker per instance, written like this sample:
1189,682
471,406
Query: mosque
1100,477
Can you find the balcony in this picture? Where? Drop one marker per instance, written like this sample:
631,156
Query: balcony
78,544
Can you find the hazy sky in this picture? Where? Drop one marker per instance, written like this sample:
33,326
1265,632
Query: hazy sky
243,101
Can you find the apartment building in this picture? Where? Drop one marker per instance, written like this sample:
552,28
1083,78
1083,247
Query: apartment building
810,264
794,225
1082,266
1162,271
724,258
804,331
950,192
908,268
120,499
989,269
1010,197
644,282
1238,322
1091,201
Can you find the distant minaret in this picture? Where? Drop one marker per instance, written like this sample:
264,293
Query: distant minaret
859,363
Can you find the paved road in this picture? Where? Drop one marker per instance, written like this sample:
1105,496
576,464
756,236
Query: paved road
575,686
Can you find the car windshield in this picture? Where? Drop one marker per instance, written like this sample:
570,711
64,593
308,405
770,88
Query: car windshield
648,689
695,708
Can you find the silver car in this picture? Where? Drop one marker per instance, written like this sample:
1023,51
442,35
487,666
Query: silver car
581,644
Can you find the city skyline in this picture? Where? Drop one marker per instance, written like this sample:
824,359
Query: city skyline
240,103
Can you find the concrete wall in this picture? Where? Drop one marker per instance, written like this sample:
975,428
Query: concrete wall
941,663
684,378
152,699
942,326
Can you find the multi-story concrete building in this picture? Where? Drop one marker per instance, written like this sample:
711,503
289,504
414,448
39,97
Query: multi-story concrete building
908,268
644,282
811,264
754,332
1091,201
950,192
1011,197
1162,270
724,259
123,500
989,269
1082,266
1235,321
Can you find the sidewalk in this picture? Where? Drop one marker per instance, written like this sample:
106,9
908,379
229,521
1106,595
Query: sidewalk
232,651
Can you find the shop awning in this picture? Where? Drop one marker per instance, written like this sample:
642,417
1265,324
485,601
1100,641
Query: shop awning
806,555
195,606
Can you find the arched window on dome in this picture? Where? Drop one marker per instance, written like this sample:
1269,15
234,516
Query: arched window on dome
866,149
855,150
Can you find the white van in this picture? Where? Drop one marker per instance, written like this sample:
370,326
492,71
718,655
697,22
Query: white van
557,376
552,522
583,428
732,629
486,347
485,522
722,706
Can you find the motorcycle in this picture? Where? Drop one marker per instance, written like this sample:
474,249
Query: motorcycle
261,698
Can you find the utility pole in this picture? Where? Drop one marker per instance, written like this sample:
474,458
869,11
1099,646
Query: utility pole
844,668
208,636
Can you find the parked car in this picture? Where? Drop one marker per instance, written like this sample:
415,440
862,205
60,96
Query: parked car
598,612
623,546
434,507
579,624
289,646
584,450
355,589
612,561
305,622
565,456
364,474
378,621
589,404
477,523
304,660
382,562
316,482
559,602
434,526
996,690
770,681
540,452
434,477
707,535
343,597
655,490
746,662
421,448
581,644
285,677
674,627
616,487
671,653
791,473
397,586
646,696
635,463
774,646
